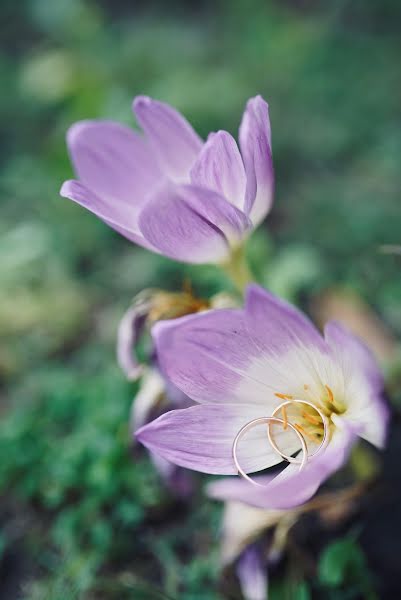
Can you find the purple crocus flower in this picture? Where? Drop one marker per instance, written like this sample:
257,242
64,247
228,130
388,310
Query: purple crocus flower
169,191
239,365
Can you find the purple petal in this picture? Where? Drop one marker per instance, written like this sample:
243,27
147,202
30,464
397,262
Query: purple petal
235,489
129,331
207,356
201,438
117,216
352,353
192,224
255,144
176,397
278,327
291,487
290,355
173,140
252,574
113,161
248,357
219,167
297,361
364,381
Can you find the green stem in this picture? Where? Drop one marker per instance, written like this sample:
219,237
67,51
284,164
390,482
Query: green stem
237,269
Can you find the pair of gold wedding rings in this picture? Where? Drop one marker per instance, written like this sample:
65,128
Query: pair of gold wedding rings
274,419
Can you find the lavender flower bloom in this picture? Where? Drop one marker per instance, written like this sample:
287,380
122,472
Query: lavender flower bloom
239,365
169,191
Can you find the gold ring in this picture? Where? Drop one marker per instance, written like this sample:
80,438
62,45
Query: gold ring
259,421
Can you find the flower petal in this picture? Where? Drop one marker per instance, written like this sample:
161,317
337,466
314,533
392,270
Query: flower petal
148,399
291,487
255,144
257,356
290,355
237,490
277,326
352,353
113,161
129,331
219,167
363,380
252,574
192,224
201,438
207,356
173,140
242,524
116,216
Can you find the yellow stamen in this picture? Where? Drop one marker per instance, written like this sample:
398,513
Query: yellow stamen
285,419
330,394
284,396
304,433
311,419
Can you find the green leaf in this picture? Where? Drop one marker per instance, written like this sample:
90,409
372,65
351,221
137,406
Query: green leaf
302,592
340,560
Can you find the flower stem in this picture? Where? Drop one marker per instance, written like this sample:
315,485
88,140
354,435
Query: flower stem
237,269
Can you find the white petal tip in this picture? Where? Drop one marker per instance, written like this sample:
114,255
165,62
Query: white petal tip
66,190
140,102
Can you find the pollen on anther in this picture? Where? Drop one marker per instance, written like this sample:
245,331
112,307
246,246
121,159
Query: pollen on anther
284,396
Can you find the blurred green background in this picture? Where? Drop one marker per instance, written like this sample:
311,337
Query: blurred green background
82,514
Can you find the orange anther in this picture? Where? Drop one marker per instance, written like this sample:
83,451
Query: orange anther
284,396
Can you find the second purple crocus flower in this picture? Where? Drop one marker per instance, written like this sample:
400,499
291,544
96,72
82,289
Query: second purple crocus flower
169,191
239,365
